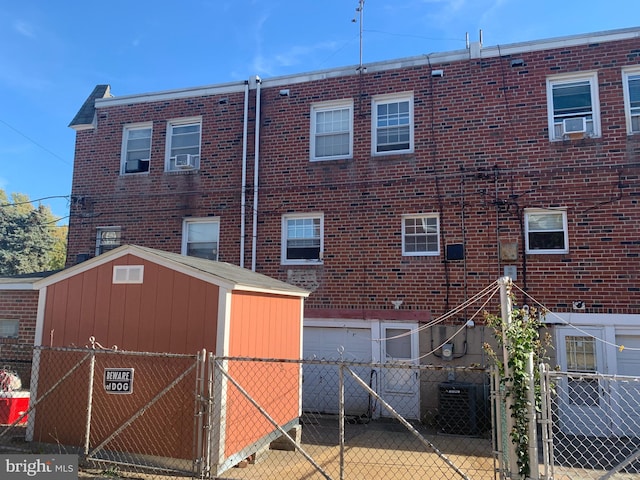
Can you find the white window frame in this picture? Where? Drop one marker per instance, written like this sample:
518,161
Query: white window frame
405,235
593,130
330,107
630,112
548,211
114,238
128,274
194,159
385,100
285,238
126,131
185,234
9,328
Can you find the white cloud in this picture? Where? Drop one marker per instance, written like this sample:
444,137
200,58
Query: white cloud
25,29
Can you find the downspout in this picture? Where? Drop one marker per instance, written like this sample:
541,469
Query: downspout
256,164
243,201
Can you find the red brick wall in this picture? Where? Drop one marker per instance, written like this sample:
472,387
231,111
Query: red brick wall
482,155
16,354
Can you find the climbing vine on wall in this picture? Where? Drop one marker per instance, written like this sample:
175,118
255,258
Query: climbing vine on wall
519,338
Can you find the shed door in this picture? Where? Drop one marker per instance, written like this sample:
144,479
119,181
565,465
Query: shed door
321,382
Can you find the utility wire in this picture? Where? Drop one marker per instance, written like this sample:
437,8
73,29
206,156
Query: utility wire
35,143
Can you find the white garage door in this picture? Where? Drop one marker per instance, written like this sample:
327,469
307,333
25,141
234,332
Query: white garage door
321,382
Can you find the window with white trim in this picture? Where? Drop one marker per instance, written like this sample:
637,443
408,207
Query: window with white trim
332,130
392,128
573,106
631,87
183,144
136,149
546,231
107,238
9,328
421,235
302,238
201,237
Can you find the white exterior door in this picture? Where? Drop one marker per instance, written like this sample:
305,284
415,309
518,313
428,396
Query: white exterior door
625,395
585,408
400,386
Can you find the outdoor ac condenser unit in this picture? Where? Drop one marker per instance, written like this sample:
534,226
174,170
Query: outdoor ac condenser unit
460,408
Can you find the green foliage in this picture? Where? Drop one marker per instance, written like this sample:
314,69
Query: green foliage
519,338
29,239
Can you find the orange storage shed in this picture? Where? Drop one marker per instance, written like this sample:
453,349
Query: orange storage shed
145,300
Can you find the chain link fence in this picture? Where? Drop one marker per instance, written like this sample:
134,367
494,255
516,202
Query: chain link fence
143,415
119,411
591,426
360,421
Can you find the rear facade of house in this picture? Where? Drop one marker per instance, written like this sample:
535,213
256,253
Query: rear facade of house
395,192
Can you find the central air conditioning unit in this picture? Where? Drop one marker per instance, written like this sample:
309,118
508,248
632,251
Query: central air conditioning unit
462,408
184,160
574,125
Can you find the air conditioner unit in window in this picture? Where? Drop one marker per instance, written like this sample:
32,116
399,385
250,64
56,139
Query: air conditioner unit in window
185,160
135,166
574,125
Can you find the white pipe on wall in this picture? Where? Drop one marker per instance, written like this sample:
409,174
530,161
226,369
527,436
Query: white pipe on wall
255,177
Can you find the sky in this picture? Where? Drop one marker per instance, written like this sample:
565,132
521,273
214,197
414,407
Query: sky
54,52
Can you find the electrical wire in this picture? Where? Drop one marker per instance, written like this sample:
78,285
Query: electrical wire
547,311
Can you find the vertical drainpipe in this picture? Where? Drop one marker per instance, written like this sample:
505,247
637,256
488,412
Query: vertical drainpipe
243,202
255,177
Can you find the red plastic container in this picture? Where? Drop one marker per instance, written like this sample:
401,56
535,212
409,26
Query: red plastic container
12,406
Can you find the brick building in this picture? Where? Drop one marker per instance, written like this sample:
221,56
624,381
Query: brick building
395,192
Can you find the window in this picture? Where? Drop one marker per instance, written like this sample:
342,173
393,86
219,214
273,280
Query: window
631,85
581,358
136,148
546,231
9,328
183,145
332,131
392,124
420,235
573,106
302,238
201,237
107,239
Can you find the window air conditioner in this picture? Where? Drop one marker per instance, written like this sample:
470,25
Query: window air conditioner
184,160
134,166
574,125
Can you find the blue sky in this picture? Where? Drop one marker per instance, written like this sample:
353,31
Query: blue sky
53,52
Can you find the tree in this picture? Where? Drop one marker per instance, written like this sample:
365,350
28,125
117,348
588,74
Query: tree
30,241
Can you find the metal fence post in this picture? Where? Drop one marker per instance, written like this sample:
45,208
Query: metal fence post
92,368
534,468
545,420
341,417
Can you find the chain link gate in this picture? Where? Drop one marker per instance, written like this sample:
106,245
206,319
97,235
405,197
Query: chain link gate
119,411
263,419
590,425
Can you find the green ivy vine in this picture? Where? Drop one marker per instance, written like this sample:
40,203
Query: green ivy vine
522,336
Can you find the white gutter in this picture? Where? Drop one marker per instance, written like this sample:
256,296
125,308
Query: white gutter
243,202
255,177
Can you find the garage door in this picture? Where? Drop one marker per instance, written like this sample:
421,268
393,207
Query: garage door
321,382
